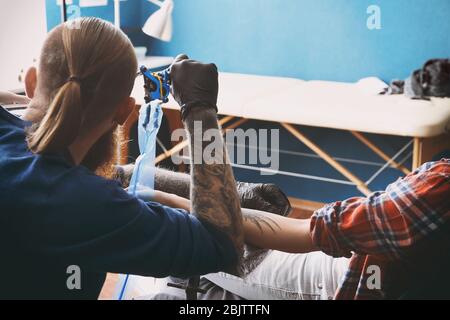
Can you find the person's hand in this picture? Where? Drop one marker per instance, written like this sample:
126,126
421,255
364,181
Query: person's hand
194,84
264,197
7,97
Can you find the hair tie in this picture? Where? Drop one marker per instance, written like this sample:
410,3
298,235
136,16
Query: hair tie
74,79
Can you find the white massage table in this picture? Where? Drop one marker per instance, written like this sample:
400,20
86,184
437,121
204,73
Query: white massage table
355,107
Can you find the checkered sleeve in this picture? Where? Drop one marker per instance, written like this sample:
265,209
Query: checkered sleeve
386,224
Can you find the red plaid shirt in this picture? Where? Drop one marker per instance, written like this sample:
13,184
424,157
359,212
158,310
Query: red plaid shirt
383,229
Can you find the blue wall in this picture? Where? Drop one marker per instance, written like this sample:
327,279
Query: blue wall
312,39
308,39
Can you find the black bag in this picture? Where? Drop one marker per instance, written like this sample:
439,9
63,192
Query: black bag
433,80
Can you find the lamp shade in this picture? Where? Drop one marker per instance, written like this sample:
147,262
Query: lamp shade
159,24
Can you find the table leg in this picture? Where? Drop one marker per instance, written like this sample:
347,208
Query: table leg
426,148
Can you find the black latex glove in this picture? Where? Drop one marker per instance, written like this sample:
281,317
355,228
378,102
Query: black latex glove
264,197
194,84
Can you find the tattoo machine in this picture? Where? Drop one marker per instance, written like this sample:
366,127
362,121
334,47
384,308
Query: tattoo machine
157,90
157,85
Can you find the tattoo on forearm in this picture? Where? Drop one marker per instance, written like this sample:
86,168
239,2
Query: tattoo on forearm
260,221
213,192
123,174
173,182
253,256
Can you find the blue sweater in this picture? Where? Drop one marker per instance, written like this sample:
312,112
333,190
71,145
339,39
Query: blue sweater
54,215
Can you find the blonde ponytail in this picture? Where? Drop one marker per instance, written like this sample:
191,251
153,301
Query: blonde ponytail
61,124
84,73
